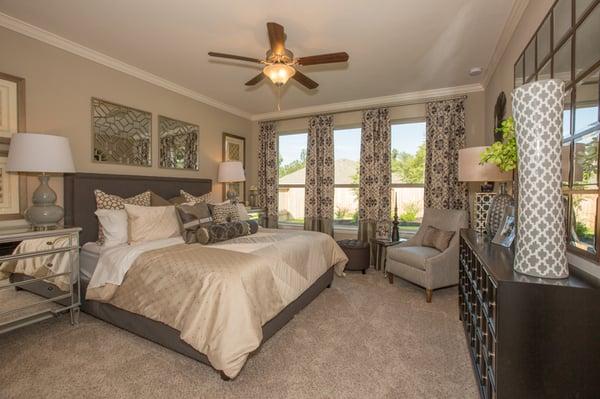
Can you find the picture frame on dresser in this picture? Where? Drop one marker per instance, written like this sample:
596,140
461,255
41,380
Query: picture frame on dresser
234,149
13,186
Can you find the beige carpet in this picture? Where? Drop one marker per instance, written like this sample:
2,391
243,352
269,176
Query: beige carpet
362,338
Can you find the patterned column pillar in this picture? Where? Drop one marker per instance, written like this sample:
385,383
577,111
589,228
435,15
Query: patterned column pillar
541,247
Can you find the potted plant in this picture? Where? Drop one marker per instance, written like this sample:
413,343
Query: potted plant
503,154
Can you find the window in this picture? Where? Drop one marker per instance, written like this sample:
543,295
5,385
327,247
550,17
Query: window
408,170
292,172
408,173
574,57
346,144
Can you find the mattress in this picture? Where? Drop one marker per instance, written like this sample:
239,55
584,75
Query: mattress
88,258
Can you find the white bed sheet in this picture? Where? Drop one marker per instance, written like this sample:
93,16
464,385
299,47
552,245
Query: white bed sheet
88,259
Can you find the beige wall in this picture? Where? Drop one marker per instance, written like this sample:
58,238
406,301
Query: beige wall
59,86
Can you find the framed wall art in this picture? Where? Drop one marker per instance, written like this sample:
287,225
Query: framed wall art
13,187
178,144
234,149
121,135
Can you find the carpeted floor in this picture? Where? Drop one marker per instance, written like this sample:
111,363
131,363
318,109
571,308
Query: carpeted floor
362,338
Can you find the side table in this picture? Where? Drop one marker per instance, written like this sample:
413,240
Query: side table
380,251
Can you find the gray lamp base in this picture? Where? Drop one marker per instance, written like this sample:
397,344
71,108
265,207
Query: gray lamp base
232,196
44,214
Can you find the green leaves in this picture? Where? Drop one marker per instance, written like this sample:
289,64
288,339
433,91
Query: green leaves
503,153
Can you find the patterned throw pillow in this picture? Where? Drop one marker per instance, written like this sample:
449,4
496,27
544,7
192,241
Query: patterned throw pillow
110,201
224,213
212,233
192,198
191,218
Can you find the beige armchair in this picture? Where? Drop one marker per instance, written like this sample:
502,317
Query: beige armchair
425,266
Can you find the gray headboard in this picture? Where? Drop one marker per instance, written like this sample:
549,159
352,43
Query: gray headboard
80,202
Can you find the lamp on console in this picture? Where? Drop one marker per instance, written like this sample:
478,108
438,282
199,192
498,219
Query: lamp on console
489,207
41,153
231,172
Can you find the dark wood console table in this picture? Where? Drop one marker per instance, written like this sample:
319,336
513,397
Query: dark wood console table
527,337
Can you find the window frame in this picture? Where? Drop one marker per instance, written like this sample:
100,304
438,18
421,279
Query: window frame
403,121
347,126
569,189
288,186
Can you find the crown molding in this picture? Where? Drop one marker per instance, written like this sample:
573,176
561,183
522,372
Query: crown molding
514,17
60,42
354,105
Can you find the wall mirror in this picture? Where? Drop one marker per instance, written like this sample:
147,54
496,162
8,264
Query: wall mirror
178,144
121,134
574,57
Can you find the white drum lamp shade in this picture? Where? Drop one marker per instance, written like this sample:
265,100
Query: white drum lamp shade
231,172
470,168
42,153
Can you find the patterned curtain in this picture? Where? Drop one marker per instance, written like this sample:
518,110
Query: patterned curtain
445,136
318,200
268,173
375,175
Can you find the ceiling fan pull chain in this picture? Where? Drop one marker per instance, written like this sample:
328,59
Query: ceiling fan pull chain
278,97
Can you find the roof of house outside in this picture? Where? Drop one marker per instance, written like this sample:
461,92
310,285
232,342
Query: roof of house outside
344,170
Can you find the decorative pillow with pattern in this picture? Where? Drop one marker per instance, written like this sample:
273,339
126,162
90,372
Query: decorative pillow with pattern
224,213
214,232
192,198
110,201
191,218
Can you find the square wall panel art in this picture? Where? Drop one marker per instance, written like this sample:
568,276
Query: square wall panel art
121,134
178,144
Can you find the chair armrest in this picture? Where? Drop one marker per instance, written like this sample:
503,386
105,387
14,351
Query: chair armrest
450,255
411,242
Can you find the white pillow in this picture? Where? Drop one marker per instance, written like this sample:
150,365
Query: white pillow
149,223
114,226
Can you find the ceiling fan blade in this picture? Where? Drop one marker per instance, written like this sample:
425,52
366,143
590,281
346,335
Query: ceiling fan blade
255,79
324,58
234,57
305,80
276,37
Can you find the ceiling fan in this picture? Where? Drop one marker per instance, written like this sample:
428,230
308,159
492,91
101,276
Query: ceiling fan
280,64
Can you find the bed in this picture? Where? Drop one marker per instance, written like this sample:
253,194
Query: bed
80,207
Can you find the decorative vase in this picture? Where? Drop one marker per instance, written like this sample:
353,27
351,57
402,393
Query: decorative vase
495,216
541,246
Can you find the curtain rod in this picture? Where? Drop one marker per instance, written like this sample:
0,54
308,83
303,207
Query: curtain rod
347,111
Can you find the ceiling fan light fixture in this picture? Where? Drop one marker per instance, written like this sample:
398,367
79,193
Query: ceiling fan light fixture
279,73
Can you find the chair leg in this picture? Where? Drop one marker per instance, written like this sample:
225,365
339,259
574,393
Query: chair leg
428,294
364,271
391,278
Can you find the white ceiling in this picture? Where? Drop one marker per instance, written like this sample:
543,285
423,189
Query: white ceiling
395,46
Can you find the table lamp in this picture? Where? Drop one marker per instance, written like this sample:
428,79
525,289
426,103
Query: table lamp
41,153
470,169
231,172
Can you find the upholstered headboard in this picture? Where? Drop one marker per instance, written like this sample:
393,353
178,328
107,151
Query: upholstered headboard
80,202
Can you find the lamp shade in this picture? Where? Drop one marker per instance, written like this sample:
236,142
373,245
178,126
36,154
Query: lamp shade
231,172
471,169
45,153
